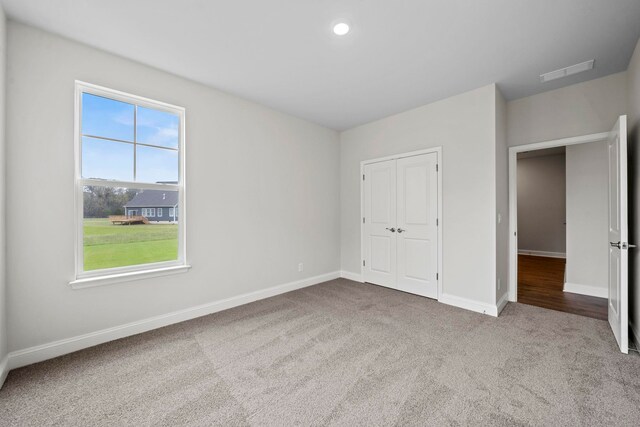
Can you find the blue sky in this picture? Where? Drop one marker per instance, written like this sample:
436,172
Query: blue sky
105,159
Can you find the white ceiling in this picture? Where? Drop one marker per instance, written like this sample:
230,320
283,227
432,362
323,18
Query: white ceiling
399,54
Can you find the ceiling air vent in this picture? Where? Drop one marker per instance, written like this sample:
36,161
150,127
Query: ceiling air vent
568,71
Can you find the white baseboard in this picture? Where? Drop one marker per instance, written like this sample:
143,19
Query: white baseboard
594,291
356,277
4,369
50,350
542,253
467,304
635,337
502,302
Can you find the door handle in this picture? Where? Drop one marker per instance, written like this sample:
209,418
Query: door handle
400,230
614,245
393,230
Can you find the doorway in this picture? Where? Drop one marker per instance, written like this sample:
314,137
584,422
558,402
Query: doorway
616,243
401,202
562,228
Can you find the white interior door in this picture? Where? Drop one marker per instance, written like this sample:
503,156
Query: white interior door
380,223
417,230
618,234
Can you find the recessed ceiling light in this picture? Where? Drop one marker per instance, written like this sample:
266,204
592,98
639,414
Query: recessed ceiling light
341,29
567,71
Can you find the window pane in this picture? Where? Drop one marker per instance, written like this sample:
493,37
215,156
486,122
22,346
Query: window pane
105,159
116,234
106,117
157,127
156,164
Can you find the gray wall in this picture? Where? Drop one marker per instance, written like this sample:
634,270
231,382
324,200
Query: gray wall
542,204
633,75
3,293
262,187
587,218
464,126
579,109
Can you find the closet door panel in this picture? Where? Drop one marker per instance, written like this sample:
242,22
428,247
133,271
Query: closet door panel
380,223
417,229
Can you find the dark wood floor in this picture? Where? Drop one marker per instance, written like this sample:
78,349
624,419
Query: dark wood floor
540,283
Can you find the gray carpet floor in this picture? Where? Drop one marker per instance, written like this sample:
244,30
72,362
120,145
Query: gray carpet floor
340,353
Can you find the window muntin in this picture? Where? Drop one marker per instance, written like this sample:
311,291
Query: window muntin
124,141
118,159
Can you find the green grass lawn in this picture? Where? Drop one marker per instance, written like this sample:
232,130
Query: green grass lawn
107,245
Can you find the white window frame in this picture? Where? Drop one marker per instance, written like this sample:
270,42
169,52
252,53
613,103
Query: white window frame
159,211
92,278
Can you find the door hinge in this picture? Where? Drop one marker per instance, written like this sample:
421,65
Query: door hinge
363,177
436,167
437,276
363,263
363,220
437,222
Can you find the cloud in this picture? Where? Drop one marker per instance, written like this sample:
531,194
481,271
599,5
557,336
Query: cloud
158,128
164,136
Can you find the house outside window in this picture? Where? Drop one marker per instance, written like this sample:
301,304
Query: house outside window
129,166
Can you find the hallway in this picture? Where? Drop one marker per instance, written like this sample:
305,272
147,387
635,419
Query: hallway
540,283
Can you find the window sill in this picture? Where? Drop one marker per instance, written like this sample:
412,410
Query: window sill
90,282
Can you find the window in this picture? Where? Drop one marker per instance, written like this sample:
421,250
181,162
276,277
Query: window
160,212
171,212
149,212
130,153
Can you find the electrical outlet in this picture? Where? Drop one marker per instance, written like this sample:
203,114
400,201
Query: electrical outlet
300,267
499,218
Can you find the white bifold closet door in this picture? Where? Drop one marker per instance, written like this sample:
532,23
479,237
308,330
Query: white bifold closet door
400,224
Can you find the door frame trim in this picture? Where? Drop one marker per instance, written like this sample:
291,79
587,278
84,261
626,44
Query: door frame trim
512,286
438,151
